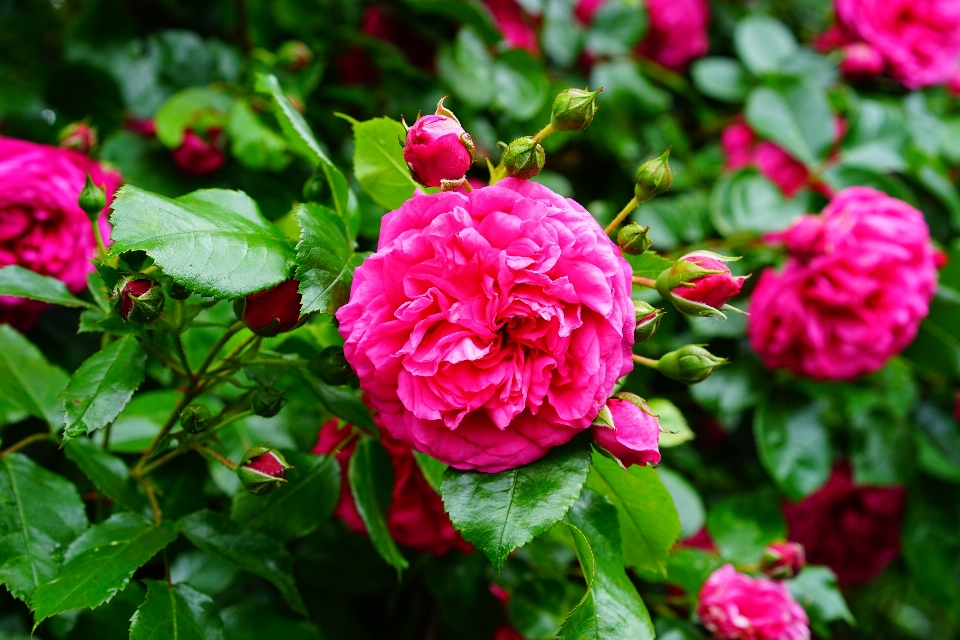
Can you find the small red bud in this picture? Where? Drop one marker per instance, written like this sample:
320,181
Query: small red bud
437,149
273,311
79,136
138,299
199,156
783,560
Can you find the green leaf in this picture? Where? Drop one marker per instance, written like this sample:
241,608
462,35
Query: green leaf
251,621
686,500
521,87
815,588
431,468
722,79
745,201
648,264
23,283
253,143
672,421
302,504
103,385
27,380
343,404
689,568
876,139
141,421
182,109
100,563
176,612
798,118
743,525
882,452
106,471
562,34
213,242
371,482
627,88
378,162
611,607
467,68
764,44
325,259
40,514
498,512
538,606
244,548
649,524
615,28
203,572
793,444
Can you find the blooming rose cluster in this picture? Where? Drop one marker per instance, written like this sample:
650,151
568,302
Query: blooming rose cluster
735,606
916,41
854,530
858,282
490,327
42,228
416,518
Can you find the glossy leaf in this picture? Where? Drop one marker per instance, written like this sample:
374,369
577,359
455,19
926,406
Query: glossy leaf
252,142
816,589
798,118
687,501
176,612
183,108
764,44
521,89
498,512
213,242
371,482
27,380
722,79
100,563
616,28
244,548
378,162
675,430
103,385
745,201
325,259
743,525
106,471
431,468
23,283
648,264
343,404
467,67
40,514
649,524
793,444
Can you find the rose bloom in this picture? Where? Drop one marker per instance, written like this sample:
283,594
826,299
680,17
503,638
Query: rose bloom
734,606
919,40
858,283
490,327
42,228
854,530
416,518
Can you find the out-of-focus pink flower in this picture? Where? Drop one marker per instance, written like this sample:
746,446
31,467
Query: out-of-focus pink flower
677,31
437,149
41,226
742,149
734,606
861,60
635,436
783,560
858,282
416,517
854,530
517,27
700,540
379,21
489,328
78,136
141,126
713,289
953,84
200,155
956,407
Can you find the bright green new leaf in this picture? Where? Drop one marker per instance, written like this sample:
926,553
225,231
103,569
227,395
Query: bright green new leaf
793,444
676,431
27,380
378,162
648,264
100,563
23,283
253,143
498,512
106,471
213,242
40,514
371,482
176,612
325,259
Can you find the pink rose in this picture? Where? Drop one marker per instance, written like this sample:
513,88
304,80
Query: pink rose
677,32
734,606
416,518
437,149
491,327
517,27
635,436
919,40
858,282
742,149
714,289
41,226
854,530
200,155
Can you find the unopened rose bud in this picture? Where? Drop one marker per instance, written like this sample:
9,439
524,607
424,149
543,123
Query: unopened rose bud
689,364
200,155
634,239
267,403
78,136
437,149
138,299
92,199
262,470
861,61
648,321
783,560
273,311
294,55
195,418
524,158
574,109
700,284
653,177
628,430
331,366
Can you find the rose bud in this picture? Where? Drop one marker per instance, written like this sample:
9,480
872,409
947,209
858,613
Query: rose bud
437,149
294,55
78,136
689,364
273,311
138,299
92,199
331,366
653,178
267,403
262,470
633,239
783,560
574,109
199,156
628,430
195,418
524,158
861,61
699,284
648,321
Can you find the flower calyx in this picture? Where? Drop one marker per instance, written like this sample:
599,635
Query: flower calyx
262,470
138,298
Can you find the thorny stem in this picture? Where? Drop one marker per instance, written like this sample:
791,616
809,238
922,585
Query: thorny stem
633,204
207,452
645,282
26,442
647,362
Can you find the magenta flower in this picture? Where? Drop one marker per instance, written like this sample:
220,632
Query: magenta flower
437,149
200,155
515,25
634,437
743,149
490,327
